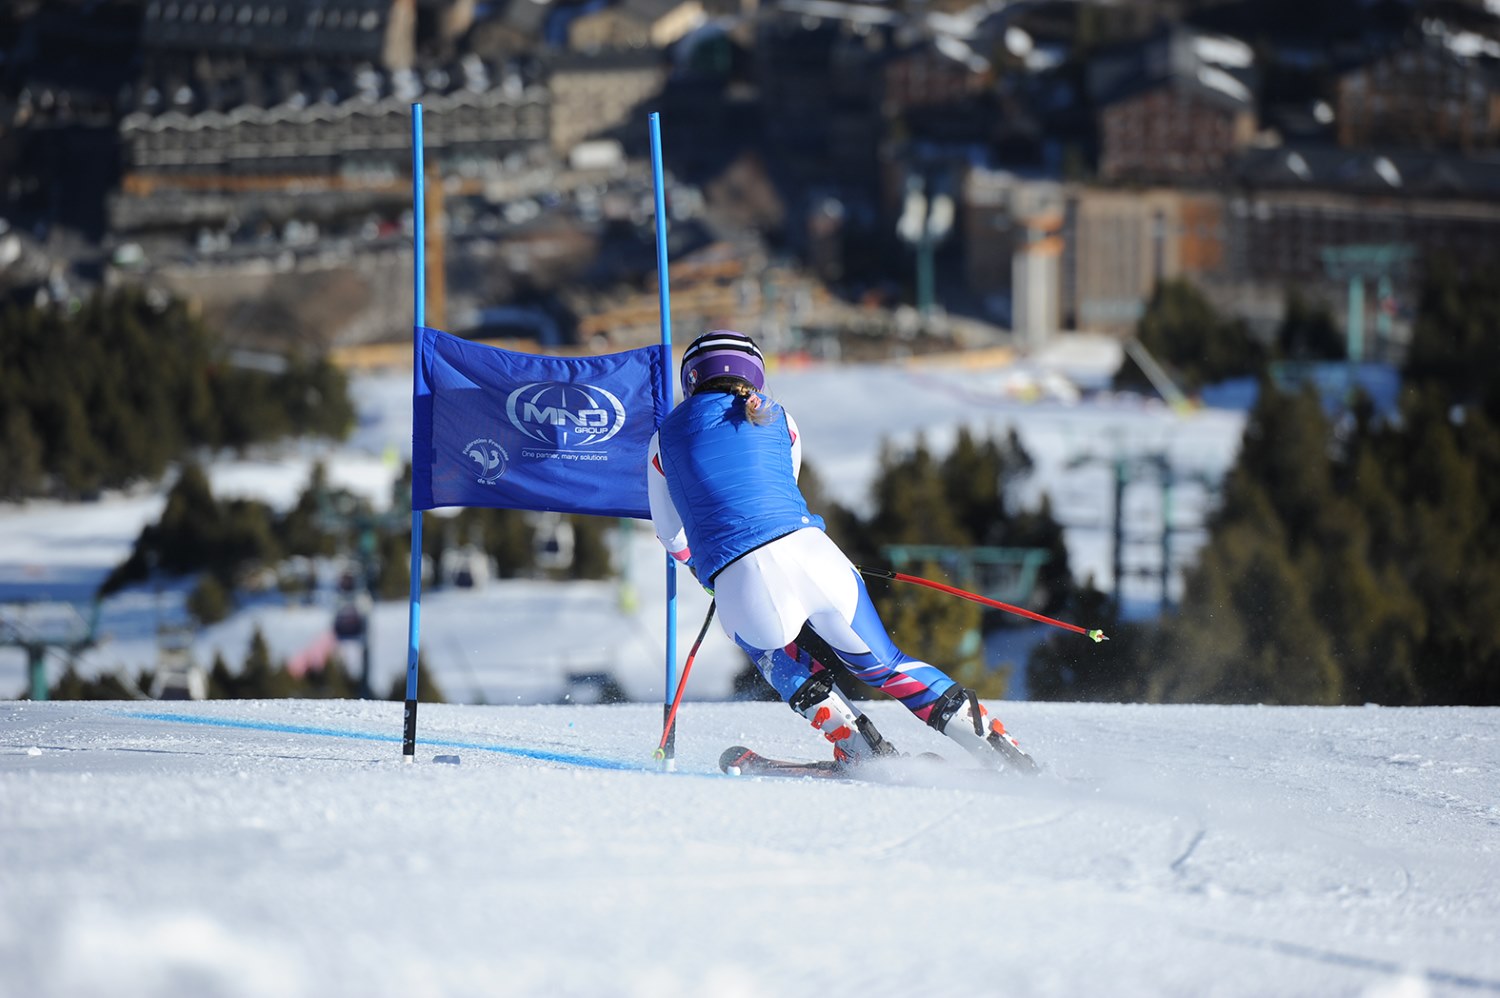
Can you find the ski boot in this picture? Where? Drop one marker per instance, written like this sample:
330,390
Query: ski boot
959,715
854,736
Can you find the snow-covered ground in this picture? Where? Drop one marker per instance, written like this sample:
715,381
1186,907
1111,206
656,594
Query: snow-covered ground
257,848
518,641
282,848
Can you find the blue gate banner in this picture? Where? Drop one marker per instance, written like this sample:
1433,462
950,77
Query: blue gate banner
507,430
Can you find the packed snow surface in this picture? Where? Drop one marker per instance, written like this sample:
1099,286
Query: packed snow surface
283,848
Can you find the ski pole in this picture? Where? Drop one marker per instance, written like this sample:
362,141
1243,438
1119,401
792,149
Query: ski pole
880,573
663,751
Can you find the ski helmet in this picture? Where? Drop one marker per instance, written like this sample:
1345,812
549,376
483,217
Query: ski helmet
722,353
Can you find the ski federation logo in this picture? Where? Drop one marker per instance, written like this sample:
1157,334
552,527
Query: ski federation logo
490,457
563,414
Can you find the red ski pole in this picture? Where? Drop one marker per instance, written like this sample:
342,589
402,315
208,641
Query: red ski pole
668,726
881,573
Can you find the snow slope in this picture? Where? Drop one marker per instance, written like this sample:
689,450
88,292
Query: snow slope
283,849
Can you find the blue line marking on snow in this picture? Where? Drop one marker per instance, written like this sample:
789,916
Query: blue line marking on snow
300,729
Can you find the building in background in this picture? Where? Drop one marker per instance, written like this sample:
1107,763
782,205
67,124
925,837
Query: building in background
1173,108
258,146
1036,269
1437,93
1122,243
635,24
377,32
594,94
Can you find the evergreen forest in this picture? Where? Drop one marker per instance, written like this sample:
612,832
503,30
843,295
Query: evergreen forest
1354,556
946,507
117,391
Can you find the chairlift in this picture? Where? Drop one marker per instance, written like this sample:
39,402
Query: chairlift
349,622
465,568
593,688
553,547
178,676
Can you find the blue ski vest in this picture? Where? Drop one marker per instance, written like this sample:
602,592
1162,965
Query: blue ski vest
730,480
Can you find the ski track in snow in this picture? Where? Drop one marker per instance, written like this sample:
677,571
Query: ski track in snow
283,848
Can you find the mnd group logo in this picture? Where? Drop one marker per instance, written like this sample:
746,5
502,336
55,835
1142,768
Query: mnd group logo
567,420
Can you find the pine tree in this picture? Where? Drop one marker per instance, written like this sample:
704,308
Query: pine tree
932,626
1286,449
72,686
314,394
1040,529
69,686
210,601
591,557
1246,632
911,505
1067,668
331,682
189,525
393,560
428,690
1308,332
507,538
1346,563
119,389
1451,551
301,530
222,684
187,373
128,392
1453,342
989,682
76,458
260,678
1355,603
973,477
20,450
1186,335
247,537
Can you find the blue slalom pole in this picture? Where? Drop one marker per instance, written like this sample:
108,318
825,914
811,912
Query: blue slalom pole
419,287
667,752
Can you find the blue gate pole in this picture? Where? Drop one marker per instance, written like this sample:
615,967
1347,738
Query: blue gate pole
419,287
664,299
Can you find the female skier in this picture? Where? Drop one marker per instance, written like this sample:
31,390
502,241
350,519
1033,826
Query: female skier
722,478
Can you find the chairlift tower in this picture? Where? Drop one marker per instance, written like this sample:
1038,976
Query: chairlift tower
927,214
1004,573
42,626
358,531
1128,469
1355,264
178,676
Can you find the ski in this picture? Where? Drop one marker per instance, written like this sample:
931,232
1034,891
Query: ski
737,760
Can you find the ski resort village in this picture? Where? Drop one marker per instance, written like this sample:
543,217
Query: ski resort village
656,498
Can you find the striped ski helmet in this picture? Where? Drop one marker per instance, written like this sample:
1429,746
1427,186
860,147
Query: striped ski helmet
722,353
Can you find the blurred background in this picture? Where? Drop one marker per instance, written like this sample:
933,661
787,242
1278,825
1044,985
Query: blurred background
1035,166
1288,211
